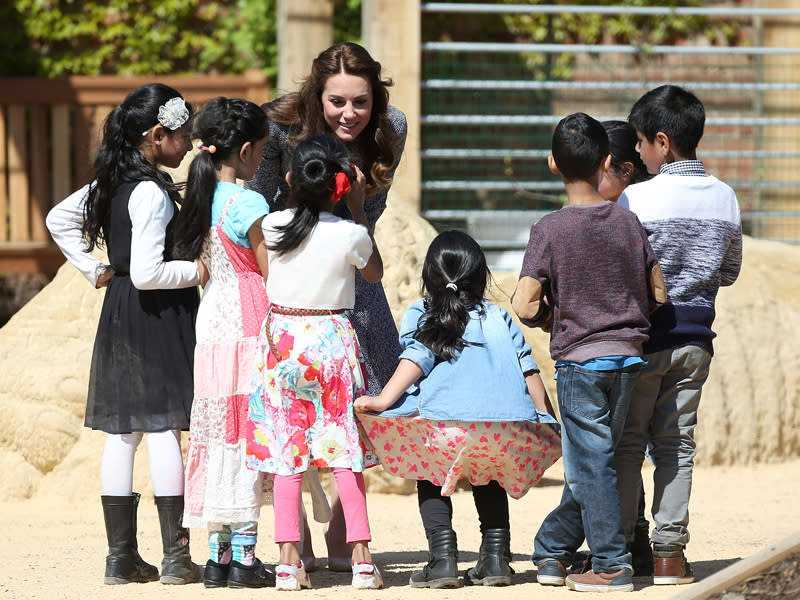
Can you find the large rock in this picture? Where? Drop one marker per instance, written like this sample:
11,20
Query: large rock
749,413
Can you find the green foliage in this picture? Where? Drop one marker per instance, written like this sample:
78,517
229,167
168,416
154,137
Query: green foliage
60,37
347,21
642,31
97,37
564,28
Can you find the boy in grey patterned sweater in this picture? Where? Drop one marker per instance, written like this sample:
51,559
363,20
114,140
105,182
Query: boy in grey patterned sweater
693,223
589,276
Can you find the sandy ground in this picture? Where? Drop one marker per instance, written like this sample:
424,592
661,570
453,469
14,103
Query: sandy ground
52,549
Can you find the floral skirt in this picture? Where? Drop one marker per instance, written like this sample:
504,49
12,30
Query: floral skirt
301,407
515,454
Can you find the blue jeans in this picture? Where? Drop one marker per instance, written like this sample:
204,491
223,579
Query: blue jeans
593,406
663,414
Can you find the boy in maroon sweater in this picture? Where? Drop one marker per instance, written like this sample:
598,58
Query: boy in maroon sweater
589,276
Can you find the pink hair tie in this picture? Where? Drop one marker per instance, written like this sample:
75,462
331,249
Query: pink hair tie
210,149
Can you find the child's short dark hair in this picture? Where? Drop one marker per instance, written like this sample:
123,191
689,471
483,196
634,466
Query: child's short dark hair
580,145
674,111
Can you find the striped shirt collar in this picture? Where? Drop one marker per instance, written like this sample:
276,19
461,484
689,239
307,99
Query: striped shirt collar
684,167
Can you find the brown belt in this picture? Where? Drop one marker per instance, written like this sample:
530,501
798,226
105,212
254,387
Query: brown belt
295,312
304,312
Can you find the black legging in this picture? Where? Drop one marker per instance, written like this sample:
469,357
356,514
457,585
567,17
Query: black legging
436,510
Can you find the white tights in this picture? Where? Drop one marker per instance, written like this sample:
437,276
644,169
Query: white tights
166,463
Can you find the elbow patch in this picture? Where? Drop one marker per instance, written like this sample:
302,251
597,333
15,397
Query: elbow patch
526,300
657,284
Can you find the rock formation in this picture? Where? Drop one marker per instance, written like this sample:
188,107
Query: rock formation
750,411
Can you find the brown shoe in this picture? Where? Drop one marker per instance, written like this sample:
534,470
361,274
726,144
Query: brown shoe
670,565
593,581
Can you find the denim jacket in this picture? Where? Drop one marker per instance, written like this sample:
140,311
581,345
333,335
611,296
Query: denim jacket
485,382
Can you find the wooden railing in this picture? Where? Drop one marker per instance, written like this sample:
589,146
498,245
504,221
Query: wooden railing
49,132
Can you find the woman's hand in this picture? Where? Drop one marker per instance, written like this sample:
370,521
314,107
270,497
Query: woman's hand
357,195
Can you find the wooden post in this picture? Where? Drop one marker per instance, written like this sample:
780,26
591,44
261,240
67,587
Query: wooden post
18,183
305,28
391,32
39,169
781,32
62,157
4,207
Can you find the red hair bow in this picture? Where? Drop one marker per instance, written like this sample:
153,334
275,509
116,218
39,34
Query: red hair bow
341,186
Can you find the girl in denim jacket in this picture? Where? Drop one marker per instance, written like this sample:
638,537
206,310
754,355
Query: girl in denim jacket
466,401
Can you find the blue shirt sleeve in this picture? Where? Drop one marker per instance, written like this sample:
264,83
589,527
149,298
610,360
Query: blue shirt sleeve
526,361
245,210
412,349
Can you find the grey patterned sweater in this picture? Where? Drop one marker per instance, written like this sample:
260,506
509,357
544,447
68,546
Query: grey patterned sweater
694,226
371,317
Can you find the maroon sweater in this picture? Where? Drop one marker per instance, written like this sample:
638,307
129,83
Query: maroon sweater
592,271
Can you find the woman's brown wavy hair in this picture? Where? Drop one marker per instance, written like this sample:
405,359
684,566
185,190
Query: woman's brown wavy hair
302,110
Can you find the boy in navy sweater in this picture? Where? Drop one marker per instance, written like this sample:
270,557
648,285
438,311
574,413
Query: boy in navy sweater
693,223
589,276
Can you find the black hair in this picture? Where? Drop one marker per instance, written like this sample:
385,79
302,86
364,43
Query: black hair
226,124
674,111
454,278
119,160
315,163
622,147
580,145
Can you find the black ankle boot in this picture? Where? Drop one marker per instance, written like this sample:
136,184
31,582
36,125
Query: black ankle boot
641,553
494,556
123,563
442,568
177,567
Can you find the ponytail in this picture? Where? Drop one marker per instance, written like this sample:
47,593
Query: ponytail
194,219
119,161
454,276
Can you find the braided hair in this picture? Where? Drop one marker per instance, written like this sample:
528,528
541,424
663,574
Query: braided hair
224,125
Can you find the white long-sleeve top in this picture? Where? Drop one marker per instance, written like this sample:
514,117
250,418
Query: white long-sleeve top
150,210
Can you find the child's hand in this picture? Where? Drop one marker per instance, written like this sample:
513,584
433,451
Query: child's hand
357,193
203,270
104,277
367,404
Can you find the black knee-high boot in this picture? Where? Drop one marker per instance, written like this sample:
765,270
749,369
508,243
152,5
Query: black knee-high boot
123,563
442,568
177,567
494,556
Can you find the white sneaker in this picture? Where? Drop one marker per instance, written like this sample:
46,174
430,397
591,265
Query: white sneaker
366,577
291,577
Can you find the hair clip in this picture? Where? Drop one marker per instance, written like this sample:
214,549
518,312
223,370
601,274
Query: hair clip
210,149
452,286
172,114
341,186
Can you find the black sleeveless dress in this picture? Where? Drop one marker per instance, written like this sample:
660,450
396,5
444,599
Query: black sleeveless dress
143,358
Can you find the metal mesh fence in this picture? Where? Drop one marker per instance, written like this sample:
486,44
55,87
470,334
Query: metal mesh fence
489,109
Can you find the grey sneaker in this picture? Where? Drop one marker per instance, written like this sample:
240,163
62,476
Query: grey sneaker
550,572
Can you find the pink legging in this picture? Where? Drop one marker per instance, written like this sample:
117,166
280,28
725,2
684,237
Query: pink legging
286,505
